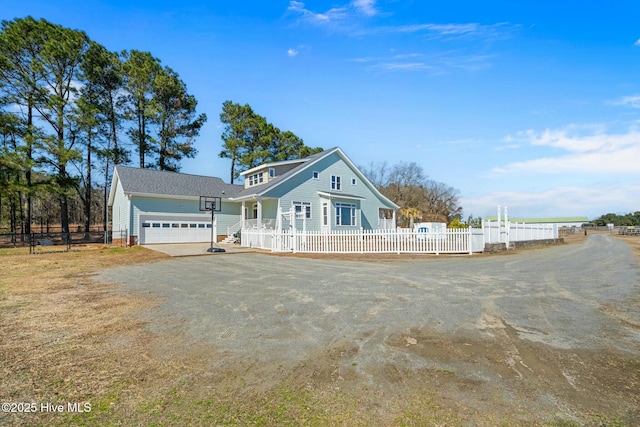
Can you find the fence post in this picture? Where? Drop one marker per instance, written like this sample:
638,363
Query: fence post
294,240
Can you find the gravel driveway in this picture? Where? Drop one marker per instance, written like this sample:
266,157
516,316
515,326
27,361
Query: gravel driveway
487,318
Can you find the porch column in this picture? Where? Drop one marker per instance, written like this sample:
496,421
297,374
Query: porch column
242,217
393,219
259,219
279,218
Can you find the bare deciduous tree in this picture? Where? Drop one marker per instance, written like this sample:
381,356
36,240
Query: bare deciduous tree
419,197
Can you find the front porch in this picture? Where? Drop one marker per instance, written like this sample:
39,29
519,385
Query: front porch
320,215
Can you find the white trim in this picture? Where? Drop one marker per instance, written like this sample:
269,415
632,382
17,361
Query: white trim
353,215
168,196
304,205
343,196
264,165
182,215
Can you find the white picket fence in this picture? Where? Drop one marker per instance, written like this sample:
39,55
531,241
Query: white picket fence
452,241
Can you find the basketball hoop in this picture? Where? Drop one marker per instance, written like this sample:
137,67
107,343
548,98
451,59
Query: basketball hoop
213,205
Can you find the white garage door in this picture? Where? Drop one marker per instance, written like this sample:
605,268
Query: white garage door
174,230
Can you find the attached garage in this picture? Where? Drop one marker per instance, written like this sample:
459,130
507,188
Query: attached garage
151,207
166,229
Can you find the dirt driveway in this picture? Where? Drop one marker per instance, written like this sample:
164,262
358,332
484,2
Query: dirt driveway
537,336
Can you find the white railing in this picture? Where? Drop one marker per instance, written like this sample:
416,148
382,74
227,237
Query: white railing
453,241
505,232
232,229
253,224
386,224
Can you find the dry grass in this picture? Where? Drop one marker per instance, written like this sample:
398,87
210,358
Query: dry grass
65,338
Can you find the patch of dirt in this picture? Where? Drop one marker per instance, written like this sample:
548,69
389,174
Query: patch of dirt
492,370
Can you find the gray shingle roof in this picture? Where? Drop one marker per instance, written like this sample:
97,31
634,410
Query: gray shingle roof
147,181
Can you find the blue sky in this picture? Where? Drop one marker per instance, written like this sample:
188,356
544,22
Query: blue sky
530,105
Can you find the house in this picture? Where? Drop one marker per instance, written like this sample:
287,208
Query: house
325,191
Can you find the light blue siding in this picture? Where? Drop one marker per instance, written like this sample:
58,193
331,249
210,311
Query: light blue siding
120,213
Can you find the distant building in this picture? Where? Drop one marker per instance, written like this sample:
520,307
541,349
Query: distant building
571,221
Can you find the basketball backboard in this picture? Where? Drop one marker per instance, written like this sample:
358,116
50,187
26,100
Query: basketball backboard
210,204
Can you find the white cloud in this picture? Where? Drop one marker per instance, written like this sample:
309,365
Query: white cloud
434,64
471,30
330,17
637,43
367,7
594,152
292,52
631,101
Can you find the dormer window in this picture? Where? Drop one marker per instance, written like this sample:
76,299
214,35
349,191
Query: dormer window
272,172
255,179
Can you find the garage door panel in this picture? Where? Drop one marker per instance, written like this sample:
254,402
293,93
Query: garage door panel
174,230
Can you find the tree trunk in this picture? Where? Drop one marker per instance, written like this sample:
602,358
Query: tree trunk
163,148
87,189
29,141
141,137
63,178
233,168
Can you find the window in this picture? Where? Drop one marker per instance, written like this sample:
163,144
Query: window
165,225
146,225
175,225
272,173
354,181
256,178
325,214
192,225
303,207
316,175
184,225
208,225
345,214
335,182
201,225
156,225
